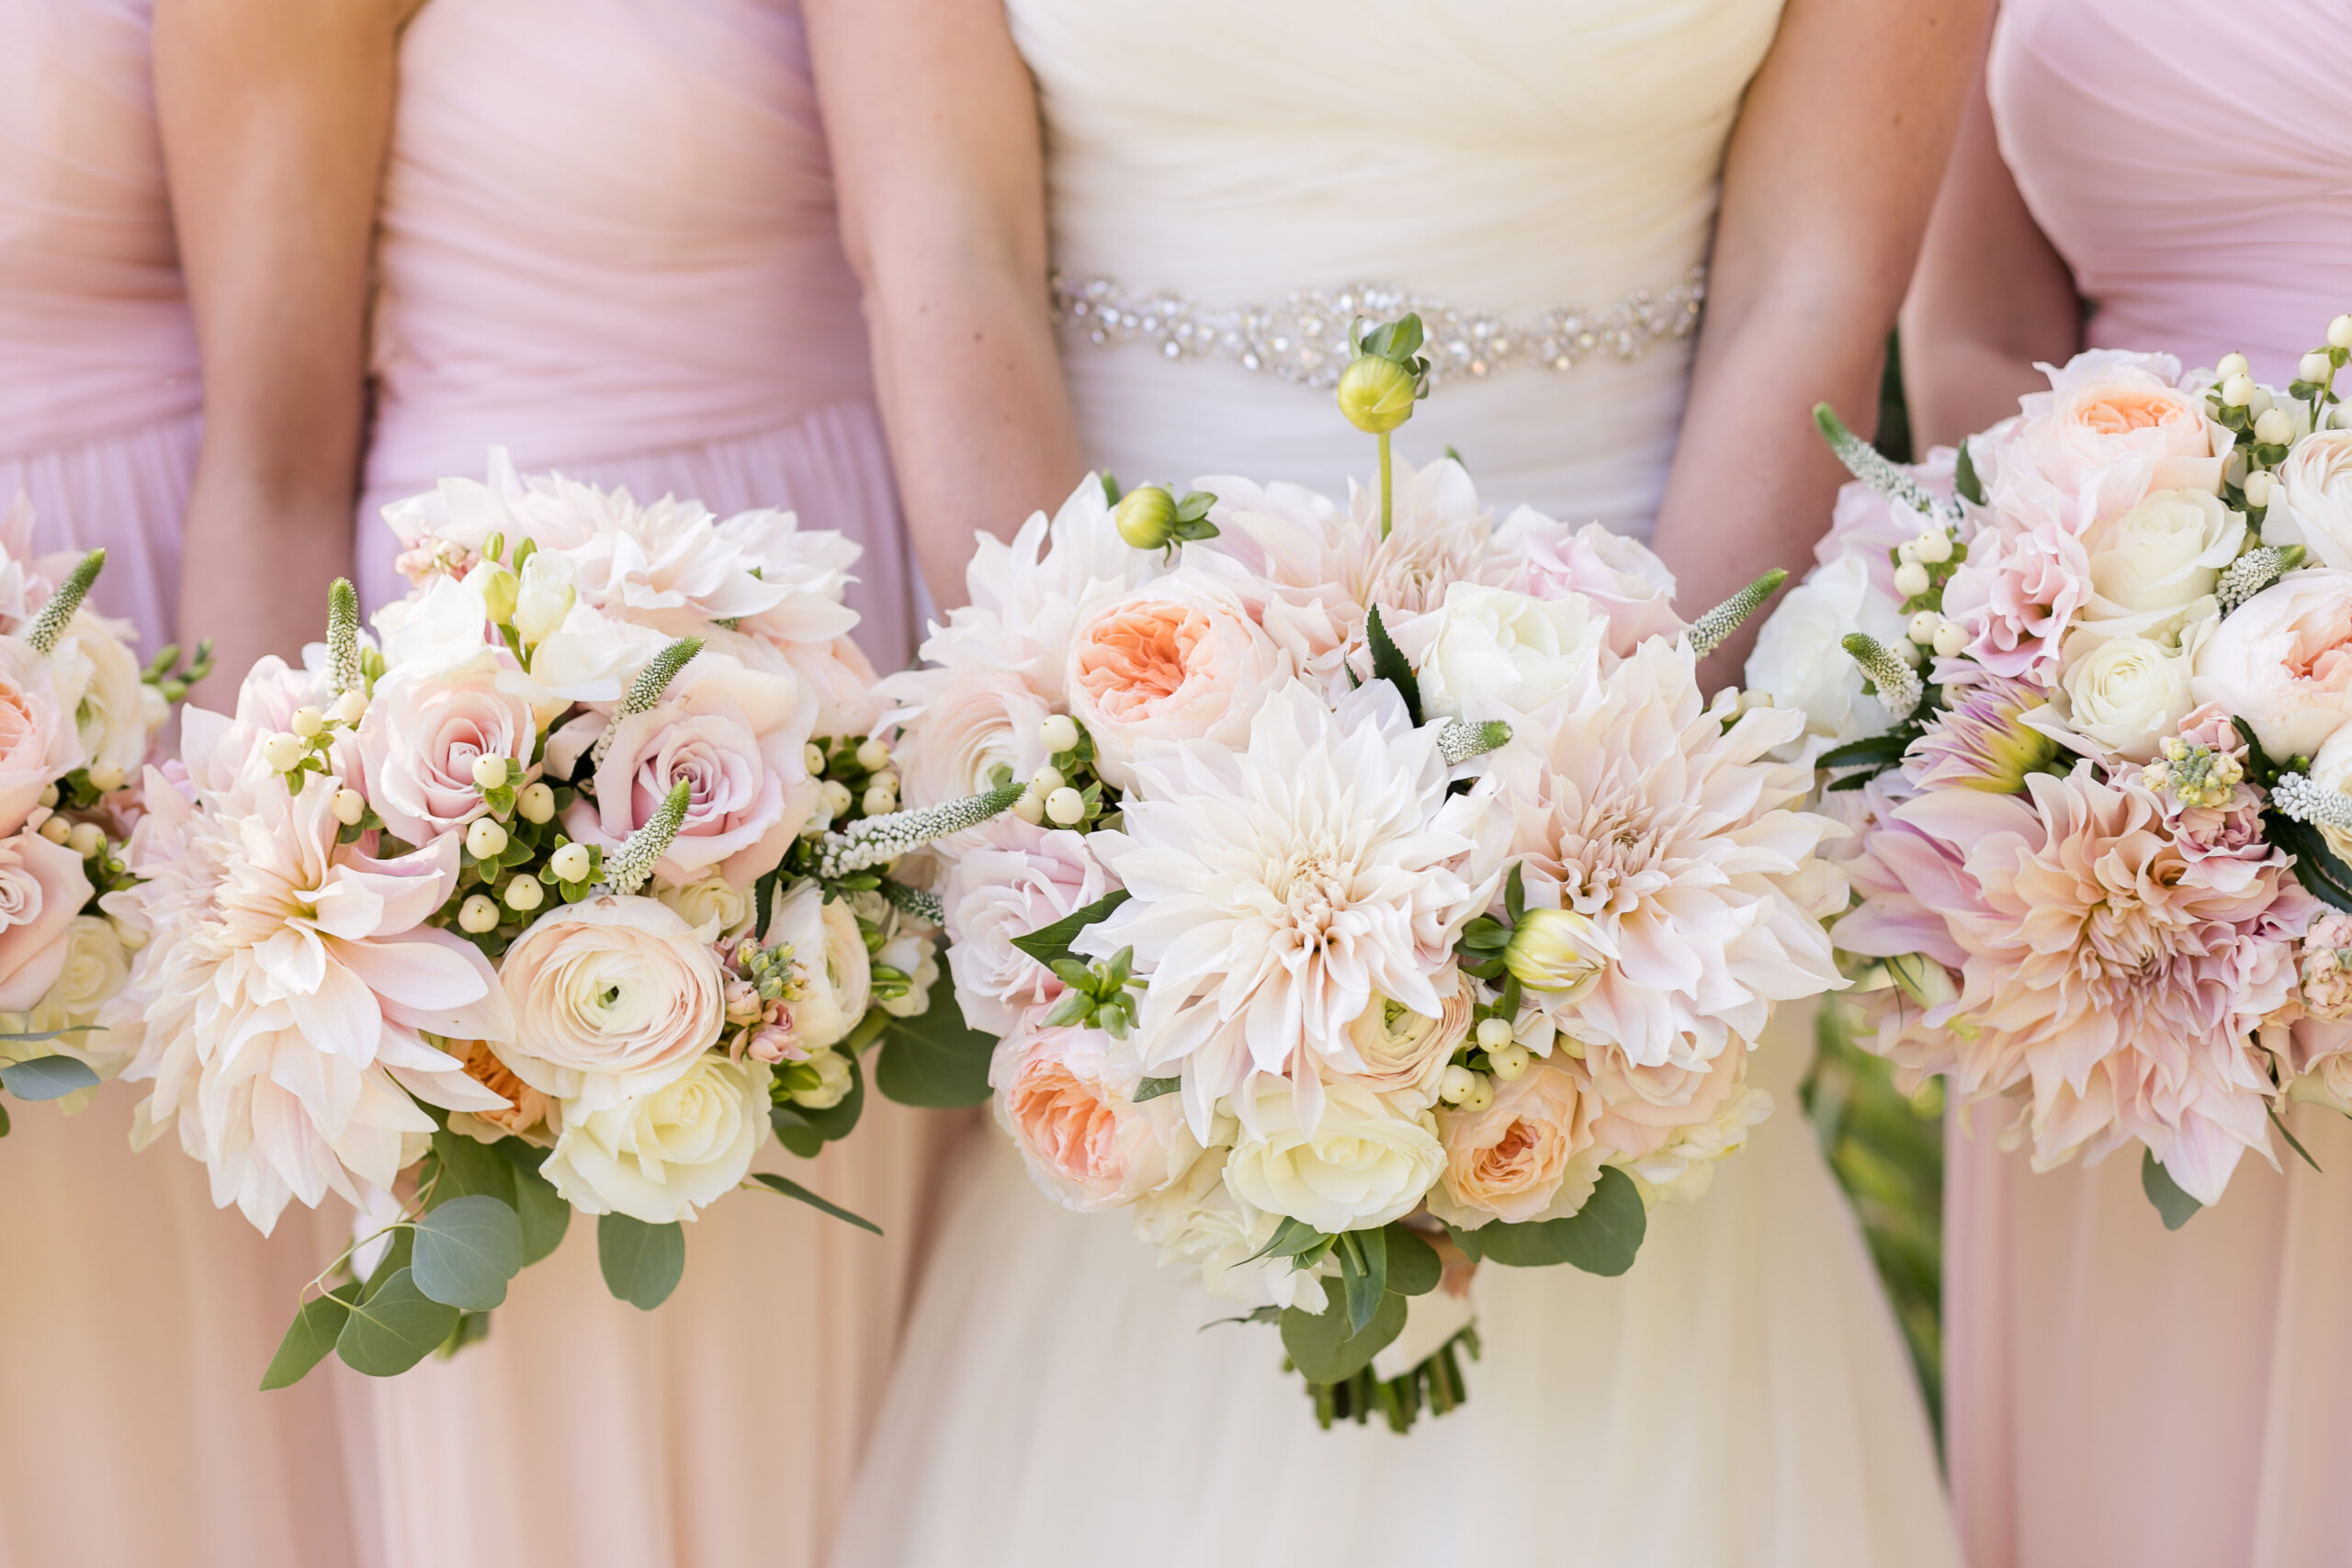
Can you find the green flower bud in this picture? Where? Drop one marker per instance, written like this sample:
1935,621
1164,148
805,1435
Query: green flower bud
1146,517
1553,950
1377,394
500,590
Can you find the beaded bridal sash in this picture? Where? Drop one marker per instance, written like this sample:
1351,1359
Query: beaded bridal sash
1303,337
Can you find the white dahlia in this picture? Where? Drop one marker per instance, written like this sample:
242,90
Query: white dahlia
1637,806
281,1001
1278,889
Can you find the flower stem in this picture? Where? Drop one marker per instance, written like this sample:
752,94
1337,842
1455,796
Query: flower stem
1387,489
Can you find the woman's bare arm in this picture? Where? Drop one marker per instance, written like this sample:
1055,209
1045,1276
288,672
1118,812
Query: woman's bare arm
1990,298
1827,183
275,115
934,124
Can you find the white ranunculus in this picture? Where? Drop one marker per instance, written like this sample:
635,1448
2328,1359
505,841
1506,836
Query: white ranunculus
713,906
829,958
1363,1165
2128,693
1196,1221
98,683
2160,556
1490,645
1798,662
613,998
2311,505
661,1156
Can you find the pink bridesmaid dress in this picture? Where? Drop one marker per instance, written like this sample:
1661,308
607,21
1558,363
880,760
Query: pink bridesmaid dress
607,243
2116,1393
137,1317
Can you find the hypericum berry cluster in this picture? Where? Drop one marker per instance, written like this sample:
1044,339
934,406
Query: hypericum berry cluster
78,819
1922,566
857,778
1066,791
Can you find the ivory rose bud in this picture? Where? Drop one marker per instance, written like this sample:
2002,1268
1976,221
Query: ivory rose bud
42,887
2311,503
39,744
1364,1165
1621,576
422,736
97,681
660,1156
2282,661
2159,558
829,959
1402,1053
1086,1145
2129,692
715,907
545,595
1529,1155
612,997
736,737
1557,950
1179,659
1490,645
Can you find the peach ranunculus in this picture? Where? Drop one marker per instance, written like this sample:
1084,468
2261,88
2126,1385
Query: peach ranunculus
527,1108
1530,1154
42,887
421,738
39,744
1621,575
1403,1053
737,737
1179,659
2282,661
612,999
2113,425
1087,1144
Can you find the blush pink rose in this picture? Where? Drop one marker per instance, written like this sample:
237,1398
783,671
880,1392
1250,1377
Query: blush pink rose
37,741
963,731
1086,1142
1620,575
1012,879
1529,1155
420,741
42,887
2114,426
737,738
1179,659
2282,661
1645,1107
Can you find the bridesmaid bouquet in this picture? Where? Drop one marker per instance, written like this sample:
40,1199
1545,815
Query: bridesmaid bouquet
2099,735
77,715
559,897
1379,878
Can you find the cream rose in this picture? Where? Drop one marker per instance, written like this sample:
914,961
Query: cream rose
1490,645
1179,659
1086,1145
1195,1222
98,683
1403,1053
2312,504
1799,662
663,1155
2129,692
43,888
1530,1154
39,744
422,736
2157,558
612,997
916,957
96,968
2282,661
1364,1165
829,959
714,907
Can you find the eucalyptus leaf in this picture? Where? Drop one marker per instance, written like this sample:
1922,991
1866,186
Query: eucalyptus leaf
1389,664
935,1059
791,1189
1602,1237
540,1208
1414,1267
1322,1346
470,1168
396,1327
468,1248
1964,479
1049,944
642,1263
308,1340
47,1078
2174,1206
1364,1274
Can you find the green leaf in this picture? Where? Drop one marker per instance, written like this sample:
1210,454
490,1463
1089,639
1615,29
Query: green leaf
2293,1142
1515,893
308,1339
2258,766
935,1059
1291,1239
1602,1237
468,1247
1964,479
1322,1346
2324,876
804,1131
470,1169
47,1078
1414,1267
1364,1274
4,1121
1876,750
1388,663
2176,1207
543,1213
791,1189
642,1263
1049,944
1152,1089
1110,487
396,1327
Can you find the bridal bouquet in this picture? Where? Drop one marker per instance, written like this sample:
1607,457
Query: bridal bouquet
77,715
2098,733
559,897
1379,877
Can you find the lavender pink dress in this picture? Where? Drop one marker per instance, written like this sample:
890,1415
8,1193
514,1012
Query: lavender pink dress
607,243
136,1317
2116,1393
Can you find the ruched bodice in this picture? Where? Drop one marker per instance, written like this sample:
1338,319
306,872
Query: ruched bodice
2195,171
1509,157
94,325
607,227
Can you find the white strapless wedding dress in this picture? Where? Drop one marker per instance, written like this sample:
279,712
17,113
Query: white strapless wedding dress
1539,178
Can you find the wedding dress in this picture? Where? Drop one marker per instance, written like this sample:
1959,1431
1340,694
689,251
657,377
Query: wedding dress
1538,177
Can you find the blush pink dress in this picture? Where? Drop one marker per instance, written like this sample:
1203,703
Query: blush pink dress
2116,1393
136,1317
607,243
